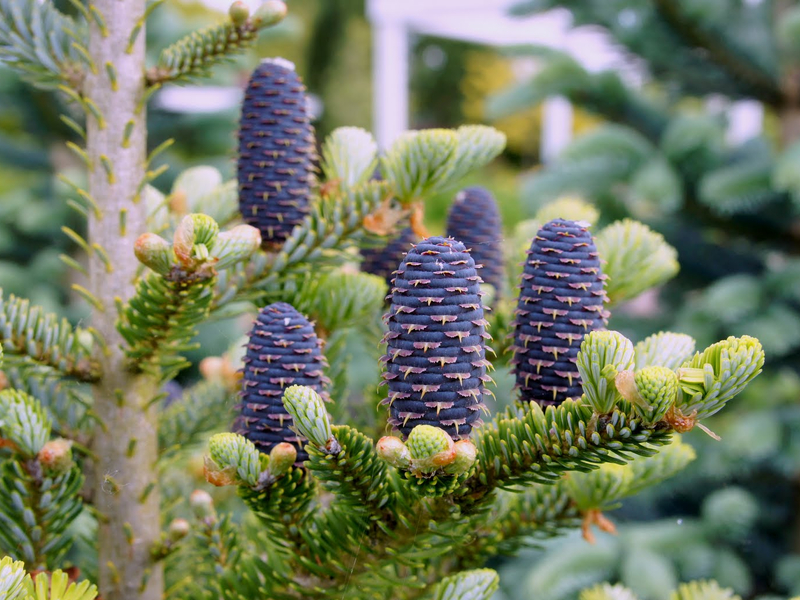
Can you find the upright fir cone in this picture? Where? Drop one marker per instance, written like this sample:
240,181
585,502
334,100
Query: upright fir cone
276,152
384,260
283,350
475,220
436,355
561,299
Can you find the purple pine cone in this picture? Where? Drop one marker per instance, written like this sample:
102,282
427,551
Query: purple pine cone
276,152
283,350
436,354
561,299
475,220
384,260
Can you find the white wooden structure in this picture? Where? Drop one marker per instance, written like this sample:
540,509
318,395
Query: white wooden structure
488,22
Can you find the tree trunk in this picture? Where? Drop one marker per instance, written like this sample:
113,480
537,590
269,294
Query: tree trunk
125,486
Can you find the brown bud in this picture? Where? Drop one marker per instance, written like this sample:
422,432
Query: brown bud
217,476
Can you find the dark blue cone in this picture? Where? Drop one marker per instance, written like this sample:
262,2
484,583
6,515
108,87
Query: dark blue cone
384,260
276,152
283,350
475,220
561,299
436,354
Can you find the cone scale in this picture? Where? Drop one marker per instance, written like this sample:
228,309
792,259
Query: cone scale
474,219
561,299
283,350
276,152
436,354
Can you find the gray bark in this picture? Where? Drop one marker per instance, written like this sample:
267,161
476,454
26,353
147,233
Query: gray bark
126,442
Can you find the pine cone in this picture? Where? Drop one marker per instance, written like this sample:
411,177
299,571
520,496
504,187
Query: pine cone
276,152
436,355
475,220
561,299
283,350
383,261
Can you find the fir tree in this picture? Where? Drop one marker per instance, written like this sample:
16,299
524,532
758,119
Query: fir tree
85,445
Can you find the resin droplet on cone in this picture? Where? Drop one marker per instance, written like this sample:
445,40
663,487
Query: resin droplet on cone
276,152
283,350
474,219
561,299
435,359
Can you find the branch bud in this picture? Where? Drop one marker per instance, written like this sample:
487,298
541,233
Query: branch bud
201,504
394,452
281,458
658,389
178,529
269,13
195,235
56,455
239,13
154,252
465,456
233,455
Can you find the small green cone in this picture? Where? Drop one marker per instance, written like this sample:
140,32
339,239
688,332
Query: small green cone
431,448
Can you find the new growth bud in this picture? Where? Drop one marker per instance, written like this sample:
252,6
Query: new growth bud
394,452
201,504
602,355
270,13
154,252
56,455
239,12
465,456
281,458
178,529
310,417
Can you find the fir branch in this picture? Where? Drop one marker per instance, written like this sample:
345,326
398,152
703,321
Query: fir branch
30,332
334,224
355,475
604,94
539,446
159,321
194,55
41,43
39,484
637,258
517,520
479,584
335,300
203,408
349,156
725,51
